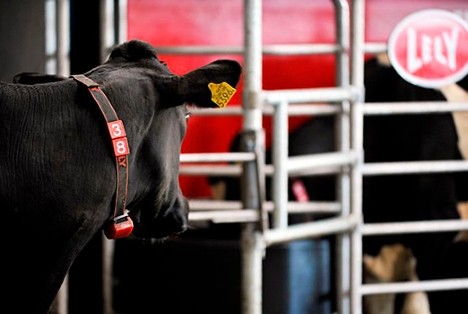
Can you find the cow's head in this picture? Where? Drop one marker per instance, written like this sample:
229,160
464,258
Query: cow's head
154,105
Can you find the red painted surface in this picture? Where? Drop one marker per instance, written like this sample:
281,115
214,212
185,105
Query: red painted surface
213,22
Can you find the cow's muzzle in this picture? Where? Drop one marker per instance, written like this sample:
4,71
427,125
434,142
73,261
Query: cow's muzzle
170,221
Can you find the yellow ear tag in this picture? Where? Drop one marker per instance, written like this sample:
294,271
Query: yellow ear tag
221,93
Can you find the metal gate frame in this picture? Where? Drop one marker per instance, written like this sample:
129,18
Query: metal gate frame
345,98
348,102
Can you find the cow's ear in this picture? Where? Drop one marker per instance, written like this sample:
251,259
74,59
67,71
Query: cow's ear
211,85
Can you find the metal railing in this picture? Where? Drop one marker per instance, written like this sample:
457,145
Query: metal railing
344,101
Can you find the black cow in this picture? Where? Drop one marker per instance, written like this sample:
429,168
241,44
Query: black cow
57,167
395,198
415,197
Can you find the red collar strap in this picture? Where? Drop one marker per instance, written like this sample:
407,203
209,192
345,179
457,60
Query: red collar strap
121,225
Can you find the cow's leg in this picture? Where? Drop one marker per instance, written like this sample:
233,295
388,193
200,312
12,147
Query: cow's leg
415,302
455,93
378,303
380,268
394,263
463,210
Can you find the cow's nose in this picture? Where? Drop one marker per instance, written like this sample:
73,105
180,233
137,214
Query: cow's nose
176,220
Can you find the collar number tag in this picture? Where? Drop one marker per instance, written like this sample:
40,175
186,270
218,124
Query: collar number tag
119,138
120,147
116,129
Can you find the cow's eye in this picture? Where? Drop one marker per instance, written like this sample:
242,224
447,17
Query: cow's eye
164,63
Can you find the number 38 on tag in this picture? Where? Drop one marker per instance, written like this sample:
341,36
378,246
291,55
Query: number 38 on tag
119,138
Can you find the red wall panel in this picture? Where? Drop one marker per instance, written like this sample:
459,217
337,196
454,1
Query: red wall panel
213,22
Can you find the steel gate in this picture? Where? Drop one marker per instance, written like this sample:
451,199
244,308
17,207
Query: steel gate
346,100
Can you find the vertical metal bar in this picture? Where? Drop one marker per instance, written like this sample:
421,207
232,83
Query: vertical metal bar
107,277
261,185
343,41
280,174
121,21
357,34
62,33
106,27
107,39
103,22
357,124
356,209
343,255
250,175
252,249
60,304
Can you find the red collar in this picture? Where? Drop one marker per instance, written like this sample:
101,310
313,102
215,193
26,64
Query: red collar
121,225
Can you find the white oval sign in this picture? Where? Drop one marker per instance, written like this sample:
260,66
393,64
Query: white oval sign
429,48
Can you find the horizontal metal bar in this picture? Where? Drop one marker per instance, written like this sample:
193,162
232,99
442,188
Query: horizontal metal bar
292,207
297,164
414,167
227,216
236,170
310,230
231,110
211,205
375,48
320,164
308,207
217,157
210,170
267,109
371,109
406,227
300,49
414,286
240,215
323,170
199,50
305,109
413,107
305,95
279,50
